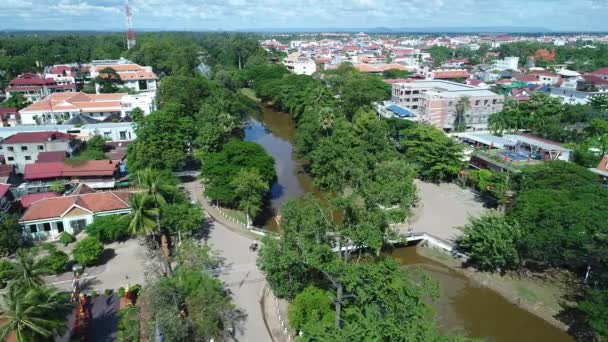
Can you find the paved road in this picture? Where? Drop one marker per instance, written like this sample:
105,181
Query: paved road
240,273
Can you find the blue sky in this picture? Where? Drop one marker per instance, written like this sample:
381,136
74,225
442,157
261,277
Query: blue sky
244,14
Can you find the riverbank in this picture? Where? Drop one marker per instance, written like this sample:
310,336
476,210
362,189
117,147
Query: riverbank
541,297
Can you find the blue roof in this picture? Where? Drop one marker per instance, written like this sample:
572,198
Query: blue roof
400,111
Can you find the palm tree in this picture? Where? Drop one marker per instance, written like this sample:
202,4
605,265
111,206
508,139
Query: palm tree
33,314
26,272
326,118
143,215
462,107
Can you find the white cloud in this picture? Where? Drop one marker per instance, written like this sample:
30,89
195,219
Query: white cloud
233,14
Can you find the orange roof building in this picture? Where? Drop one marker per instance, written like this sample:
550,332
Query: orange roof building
136,77
47,218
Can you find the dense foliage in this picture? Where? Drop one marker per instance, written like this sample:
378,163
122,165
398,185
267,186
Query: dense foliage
87,251
11,234
109,228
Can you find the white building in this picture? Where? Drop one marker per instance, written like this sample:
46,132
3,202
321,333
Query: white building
300,64
136,77
112,131
507,63
61,107
23,148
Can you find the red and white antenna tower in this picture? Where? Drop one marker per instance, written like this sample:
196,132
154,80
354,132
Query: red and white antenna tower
130,32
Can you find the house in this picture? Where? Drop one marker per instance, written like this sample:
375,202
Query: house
9,117
6,197
6,173
23,148
547,78
379,68
602,168
601,73
573,96
97,174
49,217
300,64
507,63
133,76
35,87
112,131
60,108
27,200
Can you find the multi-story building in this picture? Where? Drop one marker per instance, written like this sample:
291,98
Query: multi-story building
437,102
59,108
133,76
111,131
35,87
300,64
9,117
23,148
507,63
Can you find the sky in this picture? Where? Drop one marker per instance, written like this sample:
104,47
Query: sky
561,15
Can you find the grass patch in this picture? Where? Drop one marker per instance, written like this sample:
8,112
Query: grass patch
250,94
526,293
237,215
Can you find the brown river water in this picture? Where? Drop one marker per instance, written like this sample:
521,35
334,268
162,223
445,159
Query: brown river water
464,307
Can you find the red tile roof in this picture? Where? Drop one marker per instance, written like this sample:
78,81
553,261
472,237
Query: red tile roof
30,80
35,137
93,202
450,74
602,72
51,156
526,78
90,168
4,111
27,200
6,170
4,188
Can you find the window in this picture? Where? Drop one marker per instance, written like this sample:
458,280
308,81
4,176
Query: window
78,225
10,158
33,228
59,227
494,101
10,148
40,147
450,103
123,135
107,135
485,102
477,103
23,148
46,226
28,158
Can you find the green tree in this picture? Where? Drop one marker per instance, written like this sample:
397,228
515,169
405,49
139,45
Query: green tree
249,191
87,251
181,219
25,271
491,242
11,234
595,309
34,314
58,186
436,155
219,169
440,54
462,108
109,80
17,101
143,215
311,307
109,228
396,73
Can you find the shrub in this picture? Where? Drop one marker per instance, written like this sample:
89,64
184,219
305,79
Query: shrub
121,292
66,238
56,261
128,324
87,251
135,290
108,292
109,228
5,266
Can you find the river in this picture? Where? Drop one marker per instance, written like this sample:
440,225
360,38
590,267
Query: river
464,306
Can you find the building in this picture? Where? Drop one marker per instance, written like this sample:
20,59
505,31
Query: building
601,73
35,87
97,174
573,96
436,102
379,68
135,77
23,148
59,108
300,64
6,197
118,132
512,152
49,217
602,169
9,117
507,63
